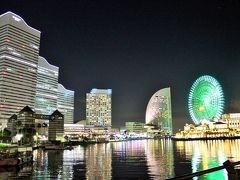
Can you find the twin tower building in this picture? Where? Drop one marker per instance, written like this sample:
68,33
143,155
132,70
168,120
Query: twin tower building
27,79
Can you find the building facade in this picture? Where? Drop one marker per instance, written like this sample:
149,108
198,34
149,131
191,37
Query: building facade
135,127
233,120
65,103
47,87
99,107
24,123
159,110
56,126
19,51
208,129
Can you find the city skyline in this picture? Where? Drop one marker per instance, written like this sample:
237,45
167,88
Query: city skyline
136,48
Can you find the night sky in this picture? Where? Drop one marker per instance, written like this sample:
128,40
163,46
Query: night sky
138,47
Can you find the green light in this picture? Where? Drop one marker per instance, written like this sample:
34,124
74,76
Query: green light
206,99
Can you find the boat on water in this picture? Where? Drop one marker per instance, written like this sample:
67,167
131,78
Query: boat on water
69,148
15,155
53,147
57,147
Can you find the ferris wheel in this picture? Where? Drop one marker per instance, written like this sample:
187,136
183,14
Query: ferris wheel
206,99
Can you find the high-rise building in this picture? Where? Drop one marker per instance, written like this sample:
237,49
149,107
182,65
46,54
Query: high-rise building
19,50
47,87
65,103
159,110
99,107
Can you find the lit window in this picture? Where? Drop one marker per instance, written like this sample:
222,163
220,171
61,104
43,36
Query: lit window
18,60
34,46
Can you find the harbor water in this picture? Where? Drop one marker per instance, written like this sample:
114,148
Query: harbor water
136,159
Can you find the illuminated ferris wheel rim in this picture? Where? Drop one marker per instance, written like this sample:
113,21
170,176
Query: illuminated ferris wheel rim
206,82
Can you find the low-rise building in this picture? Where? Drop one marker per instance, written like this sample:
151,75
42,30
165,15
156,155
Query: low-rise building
208,129
73,129
232,119
56,126
27,122
135,127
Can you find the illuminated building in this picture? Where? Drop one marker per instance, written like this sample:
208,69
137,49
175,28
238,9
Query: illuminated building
208,130
135,127
11,124
233,120
73,129
47,87
159,110
99,107
19,50
56,126
26,120
76,131
25,124
206,100
26,117
65,103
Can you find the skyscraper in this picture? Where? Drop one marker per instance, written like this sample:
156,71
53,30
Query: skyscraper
47,87
65,103
19,50
159,110
99,107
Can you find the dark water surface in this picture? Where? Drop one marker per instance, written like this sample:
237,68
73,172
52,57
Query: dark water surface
138,159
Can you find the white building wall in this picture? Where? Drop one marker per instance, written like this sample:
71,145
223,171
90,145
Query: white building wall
47,87
65,103
19,50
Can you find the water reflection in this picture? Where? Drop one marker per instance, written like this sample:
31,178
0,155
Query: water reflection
98,161
48,164
54,164
129,160
208,154
160,160
142,159
16,172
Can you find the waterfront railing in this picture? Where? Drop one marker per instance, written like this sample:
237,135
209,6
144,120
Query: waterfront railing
228,165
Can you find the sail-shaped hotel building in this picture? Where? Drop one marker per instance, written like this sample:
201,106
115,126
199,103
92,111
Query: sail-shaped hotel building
159,111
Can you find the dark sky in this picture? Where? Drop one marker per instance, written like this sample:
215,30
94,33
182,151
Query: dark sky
137,48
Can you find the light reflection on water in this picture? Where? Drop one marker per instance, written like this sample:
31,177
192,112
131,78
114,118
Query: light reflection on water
208,154
142,159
